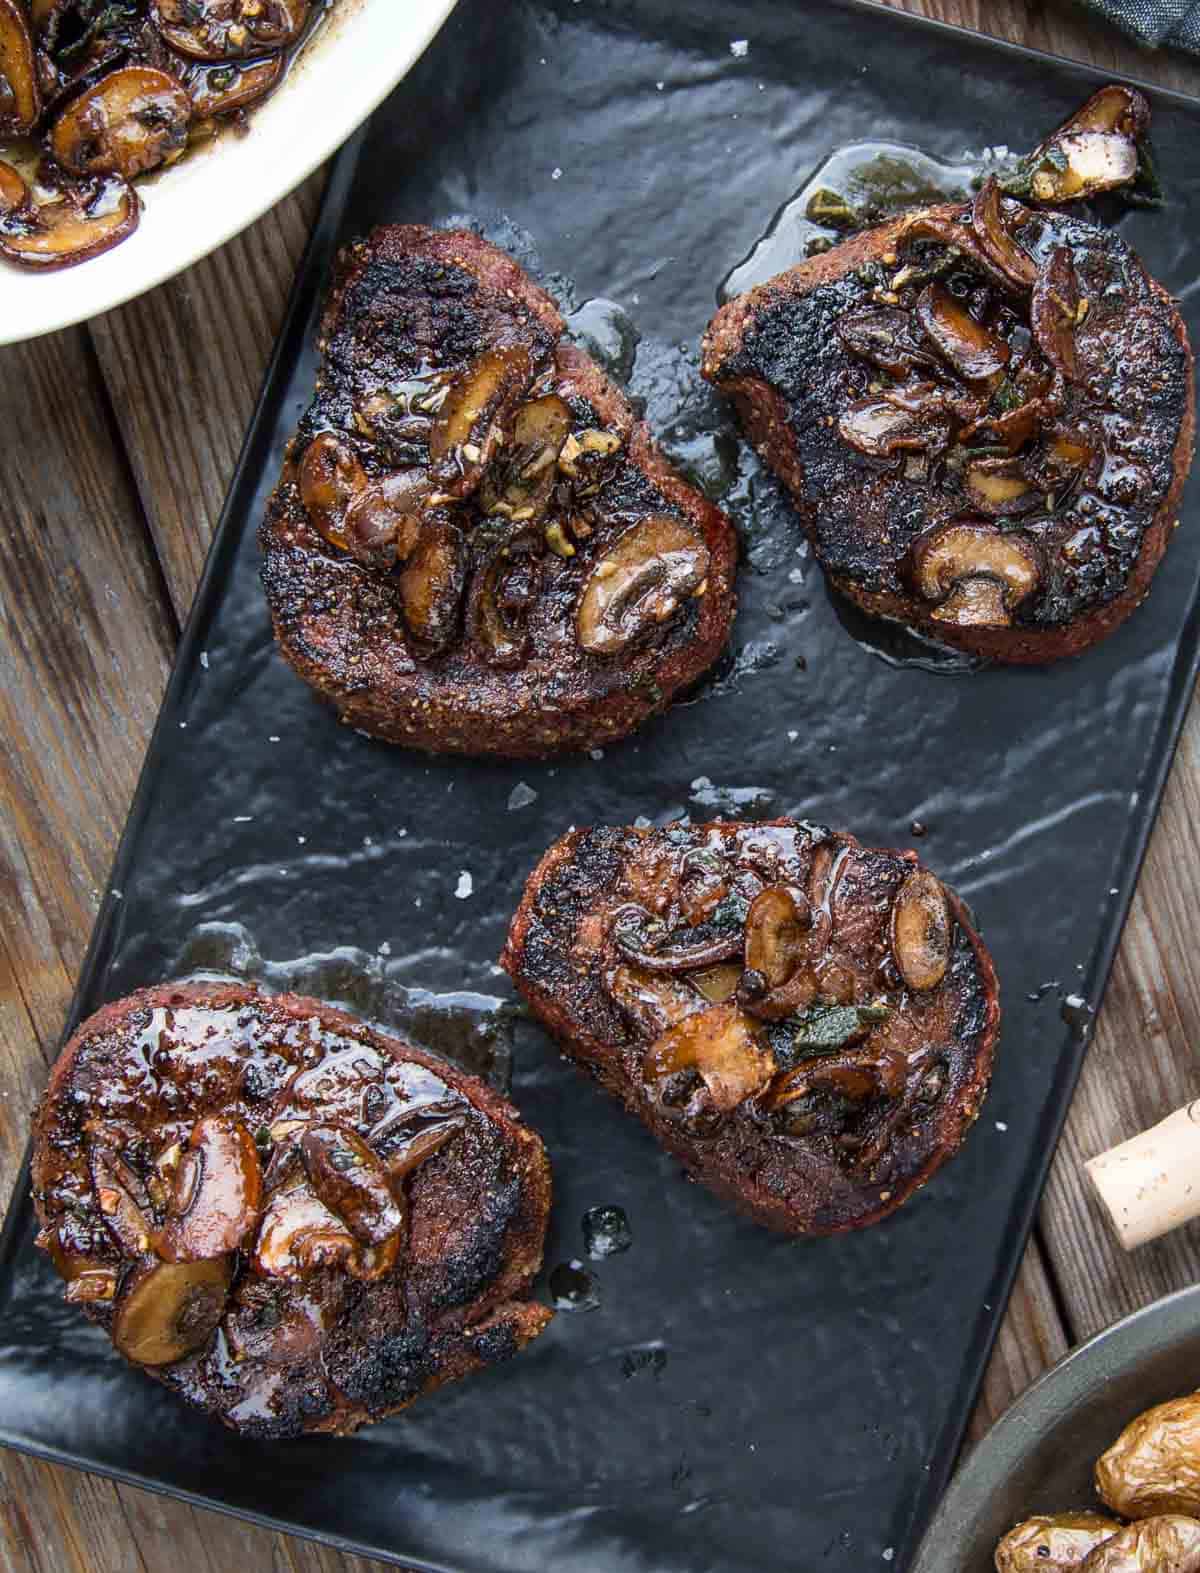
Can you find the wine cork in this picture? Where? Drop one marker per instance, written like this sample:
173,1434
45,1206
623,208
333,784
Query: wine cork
1150,1184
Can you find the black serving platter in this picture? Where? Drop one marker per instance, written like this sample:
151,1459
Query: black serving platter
736,1401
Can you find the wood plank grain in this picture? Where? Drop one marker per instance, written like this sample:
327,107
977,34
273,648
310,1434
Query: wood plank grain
85,644
1142,1064
183,409
1061,29
76,735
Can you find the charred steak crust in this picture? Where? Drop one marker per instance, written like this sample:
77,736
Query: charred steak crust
1107,454
344,1302
497,667
816,1093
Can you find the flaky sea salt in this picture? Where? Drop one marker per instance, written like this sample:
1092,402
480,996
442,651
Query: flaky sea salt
465,886
739,48
521,796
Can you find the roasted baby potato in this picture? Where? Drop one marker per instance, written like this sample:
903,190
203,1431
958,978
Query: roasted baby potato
1053,1541
1154,1465
1168,1544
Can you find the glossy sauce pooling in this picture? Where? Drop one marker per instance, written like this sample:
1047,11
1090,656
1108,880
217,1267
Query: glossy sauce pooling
226,1188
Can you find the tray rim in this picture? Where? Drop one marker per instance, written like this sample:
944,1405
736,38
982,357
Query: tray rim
307,290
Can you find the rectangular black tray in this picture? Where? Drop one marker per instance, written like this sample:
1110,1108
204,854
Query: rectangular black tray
738,1400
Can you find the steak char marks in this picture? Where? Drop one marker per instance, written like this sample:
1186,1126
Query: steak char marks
807,1023
293,1221
984,415
474,546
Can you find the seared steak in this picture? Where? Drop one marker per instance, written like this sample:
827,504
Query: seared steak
806,1022
292,1220
984,415
474,546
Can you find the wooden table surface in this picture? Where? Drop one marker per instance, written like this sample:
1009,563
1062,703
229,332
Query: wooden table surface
120,438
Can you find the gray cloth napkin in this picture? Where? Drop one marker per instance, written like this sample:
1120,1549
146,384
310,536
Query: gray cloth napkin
1159,23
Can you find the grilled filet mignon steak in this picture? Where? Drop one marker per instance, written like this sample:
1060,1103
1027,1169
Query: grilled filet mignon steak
292,1220
806,1022
474,546
984,414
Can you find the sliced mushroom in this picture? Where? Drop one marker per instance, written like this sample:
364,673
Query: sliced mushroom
973,351
229,29
299,1235
503,592
1010,430
408,1158
999,486
643,939
960,241
639,583
776,927
1093,151
352,1182
921,930
20,98
717,984
976,573
993,234
383,522
431,585
470,423
216,1195
521,478
884,336
724,1046
703,884
1056,311
88,1277
221,89
880,428
122,1201
653,1001
131,121
169,1309
68,224
852,1073
330,477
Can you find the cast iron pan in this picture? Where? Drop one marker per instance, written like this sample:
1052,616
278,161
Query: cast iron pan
1038,1457
736,1400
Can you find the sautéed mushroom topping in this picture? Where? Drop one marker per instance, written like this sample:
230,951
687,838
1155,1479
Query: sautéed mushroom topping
106,93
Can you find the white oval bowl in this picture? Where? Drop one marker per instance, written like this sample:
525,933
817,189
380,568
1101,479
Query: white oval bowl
362,50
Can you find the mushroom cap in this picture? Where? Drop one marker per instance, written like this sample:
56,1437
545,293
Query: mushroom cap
978,572
638,584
